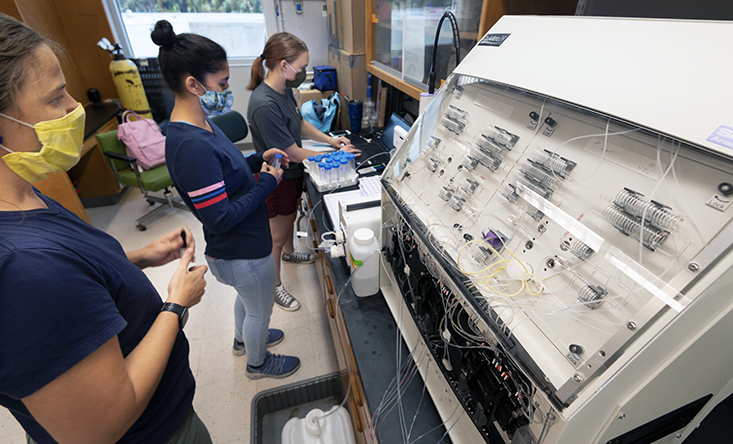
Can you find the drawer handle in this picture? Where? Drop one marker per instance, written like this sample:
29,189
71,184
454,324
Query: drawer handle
329,307
357,420
329,284
314,226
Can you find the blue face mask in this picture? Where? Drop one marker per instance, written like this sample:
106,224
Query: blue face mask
215,103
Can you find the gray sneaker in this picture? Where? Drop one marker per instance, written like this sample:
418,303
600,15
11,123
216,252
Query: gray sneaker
298,258
285,300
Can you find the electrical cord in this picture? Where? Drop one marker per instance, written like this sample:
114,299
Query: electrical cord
456,44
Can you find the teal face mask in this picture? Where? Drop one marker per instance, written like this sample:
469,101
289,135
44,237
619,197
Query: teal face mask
215,103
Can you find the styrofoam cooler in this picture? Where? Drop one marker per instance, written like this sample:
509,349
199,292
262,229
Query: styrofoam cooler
334,428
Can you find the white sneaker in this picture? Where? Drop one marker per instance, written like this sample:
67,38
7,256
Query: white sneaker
285,300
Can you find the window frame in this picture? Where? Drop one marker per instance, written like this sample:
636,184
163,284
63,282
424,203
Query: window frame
114,17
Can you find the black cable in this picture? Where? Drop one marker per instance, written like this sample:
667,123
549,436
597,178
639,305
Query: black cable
456,45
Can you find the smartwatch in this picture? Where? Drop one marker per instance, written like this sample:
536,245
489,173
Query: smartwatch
180,310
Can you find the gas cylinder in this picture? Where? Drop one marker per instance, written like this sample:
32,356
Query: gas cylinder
127,80
129,85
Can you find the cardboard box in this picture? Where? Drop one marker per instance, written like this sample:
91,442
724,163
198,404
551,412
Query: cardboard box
347,25
304,95
334,23
352,77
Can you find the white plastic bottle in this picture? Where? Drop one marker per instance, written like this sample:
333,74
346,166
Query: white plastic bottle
317,429
364,260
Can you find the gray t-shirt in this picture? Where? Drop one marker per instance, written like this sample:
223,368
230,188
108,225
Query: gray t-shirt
274,120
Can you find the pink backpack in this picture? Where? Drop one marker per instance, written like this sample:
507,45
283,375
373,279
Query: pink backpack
143,139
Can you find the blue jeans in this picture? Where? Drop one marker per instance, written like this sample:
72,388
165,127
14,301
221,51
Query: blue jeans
254,280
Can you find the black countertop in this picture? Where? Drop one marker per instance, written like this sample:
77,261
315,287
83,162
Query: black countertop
375,342
97,115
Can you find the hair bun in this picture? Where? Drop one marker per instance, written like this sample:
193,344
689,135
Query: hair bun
163,34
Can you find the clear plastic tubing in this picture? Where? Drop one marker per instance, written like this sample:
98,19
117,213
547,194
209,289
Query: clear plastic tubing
344,169
322,171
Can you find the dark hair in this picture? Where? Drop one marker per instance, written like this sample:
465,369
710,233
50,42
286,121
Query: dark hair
186,55
281,46
18,43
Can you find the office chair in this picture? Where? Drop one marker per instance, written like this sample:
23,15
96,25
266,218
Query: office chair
150,181
232,124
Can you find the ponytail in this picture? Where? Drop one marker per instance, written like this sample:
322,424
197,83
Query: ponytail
281,46
258,73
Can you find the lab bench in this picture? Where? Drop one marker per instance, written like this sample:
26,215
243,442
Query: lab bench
368,347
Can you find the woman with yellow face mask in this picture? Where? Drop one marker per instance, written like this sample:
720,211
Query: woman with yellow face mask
88,352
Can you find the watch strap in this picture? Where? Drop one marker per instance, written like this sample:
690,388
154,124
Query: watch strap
180,310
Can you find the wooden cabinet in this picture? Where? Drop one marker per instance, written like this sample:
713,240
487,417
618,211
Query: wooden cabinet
357,405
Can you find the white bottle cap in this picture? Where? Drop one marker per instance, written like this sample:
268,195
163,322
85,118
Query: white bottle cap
363,235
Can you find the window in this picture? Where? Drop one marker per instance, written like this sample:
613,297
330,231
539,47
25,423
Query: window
237,25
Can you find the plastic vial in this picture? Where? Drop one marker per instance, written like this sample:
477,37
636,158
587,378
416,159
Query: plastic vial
275,163
319,158
327,174
311,162
352,162
344,169
322,171
335,176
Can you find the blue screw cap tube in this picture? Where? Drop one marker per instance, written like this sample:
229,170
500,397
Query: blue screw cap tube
276,161
344,169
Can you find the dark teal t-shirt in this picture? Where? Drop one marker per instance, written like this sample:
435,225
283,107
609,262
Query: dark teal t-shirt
274,120
66,288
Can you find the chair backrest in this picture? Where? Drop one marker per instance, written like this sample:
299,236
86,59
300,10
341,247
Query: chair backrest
232,124
108,142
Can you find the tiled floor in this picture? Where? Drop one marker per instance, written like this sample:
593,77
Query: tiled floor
223,394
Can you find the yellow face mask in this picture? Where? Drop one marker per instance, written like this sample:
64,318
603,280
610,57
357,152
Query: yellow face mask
61,141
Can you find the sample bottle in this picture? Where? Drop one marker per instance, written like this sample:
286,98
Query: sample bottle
311,162
364,260
327,174
344,169
276,161
322,171
335,173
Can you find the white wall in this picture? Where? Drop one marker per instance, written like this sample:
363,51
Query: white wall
311,27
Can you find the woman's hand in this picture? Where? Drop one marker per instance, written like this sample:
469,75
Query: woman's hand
187,284
278,173
344,144
269,154
163,250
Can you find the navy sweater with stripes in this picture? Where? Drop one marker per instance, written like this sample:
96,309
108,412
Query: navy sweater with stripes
216,182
